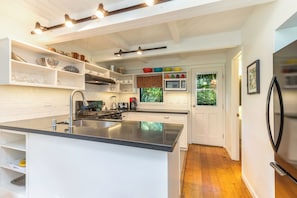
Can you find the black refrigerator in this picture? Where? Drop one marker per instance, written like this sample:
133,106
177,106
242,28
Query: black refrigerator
281,118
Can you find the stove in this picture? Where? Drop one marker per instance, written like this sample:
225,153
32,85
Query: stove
94,112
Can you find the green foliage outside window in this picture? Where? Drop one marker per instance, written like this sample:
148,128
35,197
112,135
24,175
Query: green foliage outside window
151,95
206,89
206,97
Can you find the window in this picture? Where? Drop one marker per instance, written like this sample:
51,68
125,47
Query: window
150,88
151,95
206,89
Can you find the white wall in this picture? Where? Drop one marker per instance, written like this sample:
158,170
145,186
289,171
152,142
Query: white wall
258,43
175,99
19,102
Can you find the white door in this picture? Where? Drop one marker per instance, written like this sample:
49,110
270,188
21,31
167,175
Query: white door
207,106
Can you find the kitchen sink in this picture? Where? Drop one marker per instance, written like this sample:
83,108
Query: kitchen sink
93,123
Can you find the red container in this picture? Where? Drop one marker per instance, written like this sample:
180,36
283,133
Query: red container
147,70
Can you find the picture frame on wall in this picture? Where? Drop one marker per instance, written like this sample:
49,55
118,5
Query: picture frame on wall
253,77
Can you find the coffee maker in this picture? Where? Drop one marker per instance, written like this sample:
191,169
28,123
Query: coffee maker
133,103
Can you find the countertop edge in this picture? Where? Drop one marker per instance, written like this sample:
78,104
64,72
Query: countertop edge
159,111
144,145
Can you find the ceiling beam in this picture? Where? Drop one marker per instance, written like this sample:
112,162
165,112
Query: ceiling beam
173,29
222,40
118,41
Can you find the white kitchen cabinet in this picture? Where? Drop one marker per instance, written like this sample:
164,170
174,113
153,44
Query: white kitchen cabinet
175,81
19,67
12,150
125,83
164,118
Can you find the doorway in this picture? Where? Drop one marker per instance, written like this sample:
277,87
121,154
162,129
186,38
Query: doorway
235,115
207,106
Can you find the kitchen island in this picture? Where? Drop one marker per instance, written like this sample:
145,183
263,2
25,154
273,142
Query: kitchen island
113,159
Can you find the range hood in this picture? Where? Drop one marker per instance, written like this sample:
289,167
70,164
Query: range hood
98,80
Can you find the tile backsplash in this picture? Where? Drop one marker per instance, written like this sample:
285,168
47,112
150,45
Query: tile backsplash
19,102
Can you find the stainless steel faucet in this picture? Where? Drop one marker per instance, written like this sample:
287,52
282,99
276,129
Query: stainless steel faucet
85,103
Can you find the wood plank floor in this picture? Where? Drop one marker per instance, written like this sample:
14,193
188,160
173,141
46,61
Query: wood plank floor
210,173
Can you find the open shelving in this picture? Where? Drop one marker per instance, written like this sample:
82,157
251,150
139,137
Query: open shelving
20,67
12,149
124,83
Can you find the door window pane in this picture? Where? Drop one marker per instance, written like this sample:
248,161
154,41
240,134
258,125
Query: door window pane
206,89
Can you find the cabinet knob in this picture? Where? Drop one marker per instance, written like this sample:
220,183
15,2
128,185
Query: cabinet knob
166,117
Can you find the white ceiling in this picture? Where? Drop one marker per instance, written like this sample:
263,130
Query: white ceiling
181,25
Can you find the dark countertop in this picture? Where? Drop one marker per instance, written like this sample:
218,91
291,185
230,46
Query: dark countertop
149,135
160,111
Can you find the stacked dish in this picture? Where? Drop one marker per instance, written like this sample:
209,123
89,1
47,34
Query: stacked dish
177,69
147,70
158,69
167,69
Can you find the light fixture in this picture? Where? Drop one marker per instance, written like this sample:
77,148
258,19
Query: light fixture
38,28
100,13
138,51
119,53
68,21
150,2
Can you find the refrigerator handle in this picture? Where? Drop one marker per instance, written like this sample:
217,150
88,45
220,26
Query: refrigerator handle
281,171
275,145
278,169
281,105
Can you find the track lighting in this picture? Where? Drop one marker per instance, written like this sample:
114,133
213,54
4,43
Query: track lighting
38,28
68,21
100,13
139,51
119,53
150,2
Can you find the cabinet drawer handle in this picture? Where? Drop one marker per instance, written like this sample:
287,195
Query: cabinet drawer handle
166,117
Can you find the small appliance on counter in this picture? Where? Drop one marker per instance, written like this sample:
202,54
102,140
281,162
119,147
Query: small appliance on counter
113,103
133,103
123,106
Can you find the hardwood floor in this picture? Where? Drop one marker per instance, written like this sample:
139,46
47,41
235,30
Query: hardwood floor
210,173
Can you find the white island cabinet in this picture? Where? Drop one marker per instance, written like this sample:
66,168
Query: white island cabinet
72,168
109,159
